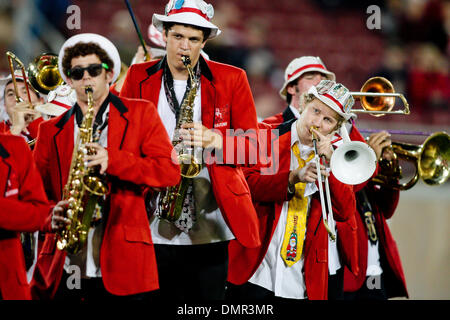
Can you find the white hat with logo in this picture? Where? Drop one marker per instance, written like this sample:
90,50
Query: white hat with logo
336,96
192,12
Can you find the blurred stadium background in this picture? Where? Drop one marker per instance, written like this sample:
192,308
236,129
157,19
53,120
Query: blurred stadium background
411,49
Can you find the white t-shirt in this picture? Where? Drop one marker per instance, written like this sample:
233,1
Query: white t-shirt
210,226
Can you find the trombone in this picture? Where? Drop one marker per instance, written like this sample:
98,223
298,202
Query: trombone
12,57
325,215
377,98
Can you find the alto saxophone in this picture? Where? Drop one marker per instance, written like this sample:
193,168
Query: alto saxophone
83,188
171,199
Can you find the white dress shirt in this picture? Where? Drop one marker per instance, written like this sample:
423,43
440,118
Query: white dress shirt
272,273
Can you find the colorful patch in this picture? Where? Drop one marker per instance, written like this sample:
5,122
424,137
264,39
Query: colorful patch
179,4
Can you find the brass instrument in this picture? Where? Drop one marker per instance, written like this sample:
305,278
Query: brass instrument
327,211
171,199
44,74
430,160
83,188
377,98
12,57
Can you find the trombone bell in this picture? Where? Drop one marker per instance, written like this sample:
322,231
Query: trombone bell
377,98
44,74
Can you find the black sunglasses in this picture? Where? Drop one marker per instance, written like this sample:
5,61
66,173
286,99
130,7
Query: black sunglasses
94,70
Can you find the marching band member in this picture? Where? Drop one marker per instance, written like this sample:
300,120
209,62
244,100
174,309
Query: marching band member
223,211
23,208
132,152
381,275
20,119
300,74
292,262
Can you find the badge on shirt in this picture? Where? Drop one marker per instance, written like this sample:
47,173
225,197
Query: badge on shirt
12,187
221,116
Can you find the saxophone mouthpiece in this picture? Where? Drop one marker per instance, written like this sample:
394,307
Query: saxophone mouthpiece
186,60
88,89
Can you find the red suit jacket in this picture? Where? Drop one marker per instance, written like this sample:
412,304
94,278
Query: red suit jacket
139,156
32,127
279,118
23,208
227,103
347,238
384,202
243,262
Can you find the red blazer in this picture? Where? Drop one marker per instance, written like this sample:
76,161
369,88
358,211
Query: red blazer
139,156
384,202
227,103
243,262
32,127
279,118
23,208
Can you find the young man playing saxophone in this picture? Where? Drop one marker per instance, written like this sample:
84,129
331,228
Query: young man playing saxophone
218,207
132,152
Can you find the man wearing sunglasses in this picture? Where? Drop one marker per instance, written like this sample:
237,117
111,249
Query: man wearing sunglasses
133,153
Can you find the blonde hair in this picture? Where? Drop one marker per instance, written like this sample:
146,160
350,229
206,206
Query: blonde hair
306,98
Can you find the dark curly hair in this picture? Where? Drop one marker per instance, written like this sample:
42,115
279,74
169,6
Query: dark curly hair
83,49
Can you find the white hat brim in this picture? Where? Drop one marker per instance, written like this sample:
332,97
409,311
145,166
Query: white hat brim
103,42
185,18
330,76
50,109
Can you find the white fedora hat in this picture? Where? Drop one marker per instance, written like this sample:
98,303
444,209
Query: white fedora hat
192,12
336,96
104,43
301,65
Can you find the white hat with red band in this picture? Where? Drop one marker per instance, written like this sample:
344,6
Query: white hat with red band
58,101
192,12
336,96
101,41
301,65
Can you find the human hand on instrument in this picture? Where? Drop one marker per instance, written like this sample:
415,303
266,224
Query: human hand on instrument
140,54
379,141
59,220
99,158
324,147
197,135
306,174
22,116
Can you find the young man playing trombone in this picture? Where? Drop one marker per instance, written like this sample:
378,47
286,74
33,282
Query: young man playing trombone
19,119
132,153
292,262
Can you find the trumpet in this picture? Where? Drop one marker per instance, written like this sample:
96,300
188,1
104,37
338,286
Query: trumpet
430,160
377,98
